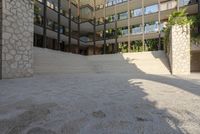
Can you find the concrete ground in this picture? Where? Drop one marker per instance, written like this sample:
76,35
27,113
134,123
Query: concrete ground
118,99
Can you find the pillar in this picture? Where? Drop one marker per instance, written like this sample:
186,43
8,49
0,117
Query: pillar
143,28
58,32
129,40
94,28
104,29
116,34
180,50
70,22
45,24
159,29
199,13
16,41
78,18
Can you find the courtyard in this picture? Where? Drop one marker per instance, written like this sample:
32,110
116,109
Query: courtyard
114,97
99,67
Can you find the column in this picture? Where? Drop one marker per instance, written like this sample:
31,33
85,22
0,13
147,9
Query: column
116,34
179,55
199,6
199,13
1,17
143,29
94,28
78,15
104,32
129,40
45,24
58,31
70,30
159,29
178,5
17,40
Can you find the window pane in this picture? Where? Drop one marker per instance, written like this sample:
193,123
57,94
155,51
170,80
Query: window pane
151,9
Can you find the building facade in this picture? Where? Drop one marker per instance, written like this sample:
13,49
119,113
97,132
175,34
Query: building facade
84,27
104,26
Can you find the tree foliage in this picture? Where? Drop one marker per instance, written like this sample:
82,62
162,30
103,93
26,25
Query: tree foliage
195,35
176,18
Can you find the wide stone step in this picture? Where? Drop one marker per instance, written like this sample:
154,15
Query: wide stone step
50,61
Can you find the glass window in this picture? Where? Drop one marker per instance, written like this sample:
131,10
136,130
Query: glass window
40,1
122,16
168,5
151,27
62,29
114,2
137,29
151,9
109,3
56,28
38,19
136,12
52,5
119,1
50,24
125,31
110,18
184,2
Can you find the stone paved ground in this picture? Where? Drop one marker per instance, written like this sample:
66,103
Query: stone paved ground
100,103
100,95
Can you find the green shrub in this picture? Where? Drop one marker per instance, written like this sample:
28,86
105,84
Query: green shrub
176,18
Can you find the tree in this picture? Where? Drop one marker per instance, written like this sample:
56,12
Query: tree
176,18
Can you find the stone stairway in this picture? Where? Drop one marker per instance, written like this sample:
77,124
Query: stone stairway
155,62
50,61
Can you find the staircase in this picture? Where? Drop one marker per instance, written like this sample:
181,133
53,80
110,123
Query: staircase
51,61
154,62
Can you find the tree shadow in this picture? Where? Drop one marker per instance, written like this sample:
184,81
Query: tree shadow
118,100
176,81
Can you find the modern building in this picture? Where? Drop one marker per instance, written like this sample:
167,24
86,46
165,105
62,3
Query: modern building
85,27
104,26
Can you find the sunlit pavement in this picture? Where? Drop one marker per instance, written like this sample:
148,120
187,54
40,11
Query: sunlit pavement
100,103
105,94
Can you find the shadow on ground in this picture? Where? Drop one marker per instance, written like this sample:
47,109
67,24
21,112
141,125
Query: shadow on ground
115,98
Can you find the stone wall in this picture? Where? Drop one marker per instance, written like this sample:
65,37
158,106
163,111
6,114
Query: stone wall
179,55
17,38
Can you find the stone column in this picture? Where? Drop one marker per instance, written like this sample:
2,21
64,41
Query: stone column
16,38
180,50
1,39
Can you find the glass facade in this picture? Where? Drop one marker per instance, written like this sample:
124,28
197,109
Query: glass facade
104,30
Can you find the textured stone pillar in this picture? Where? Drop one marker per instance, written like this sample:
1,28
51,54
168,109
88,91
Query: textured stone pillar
16,38
1,39
180,50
